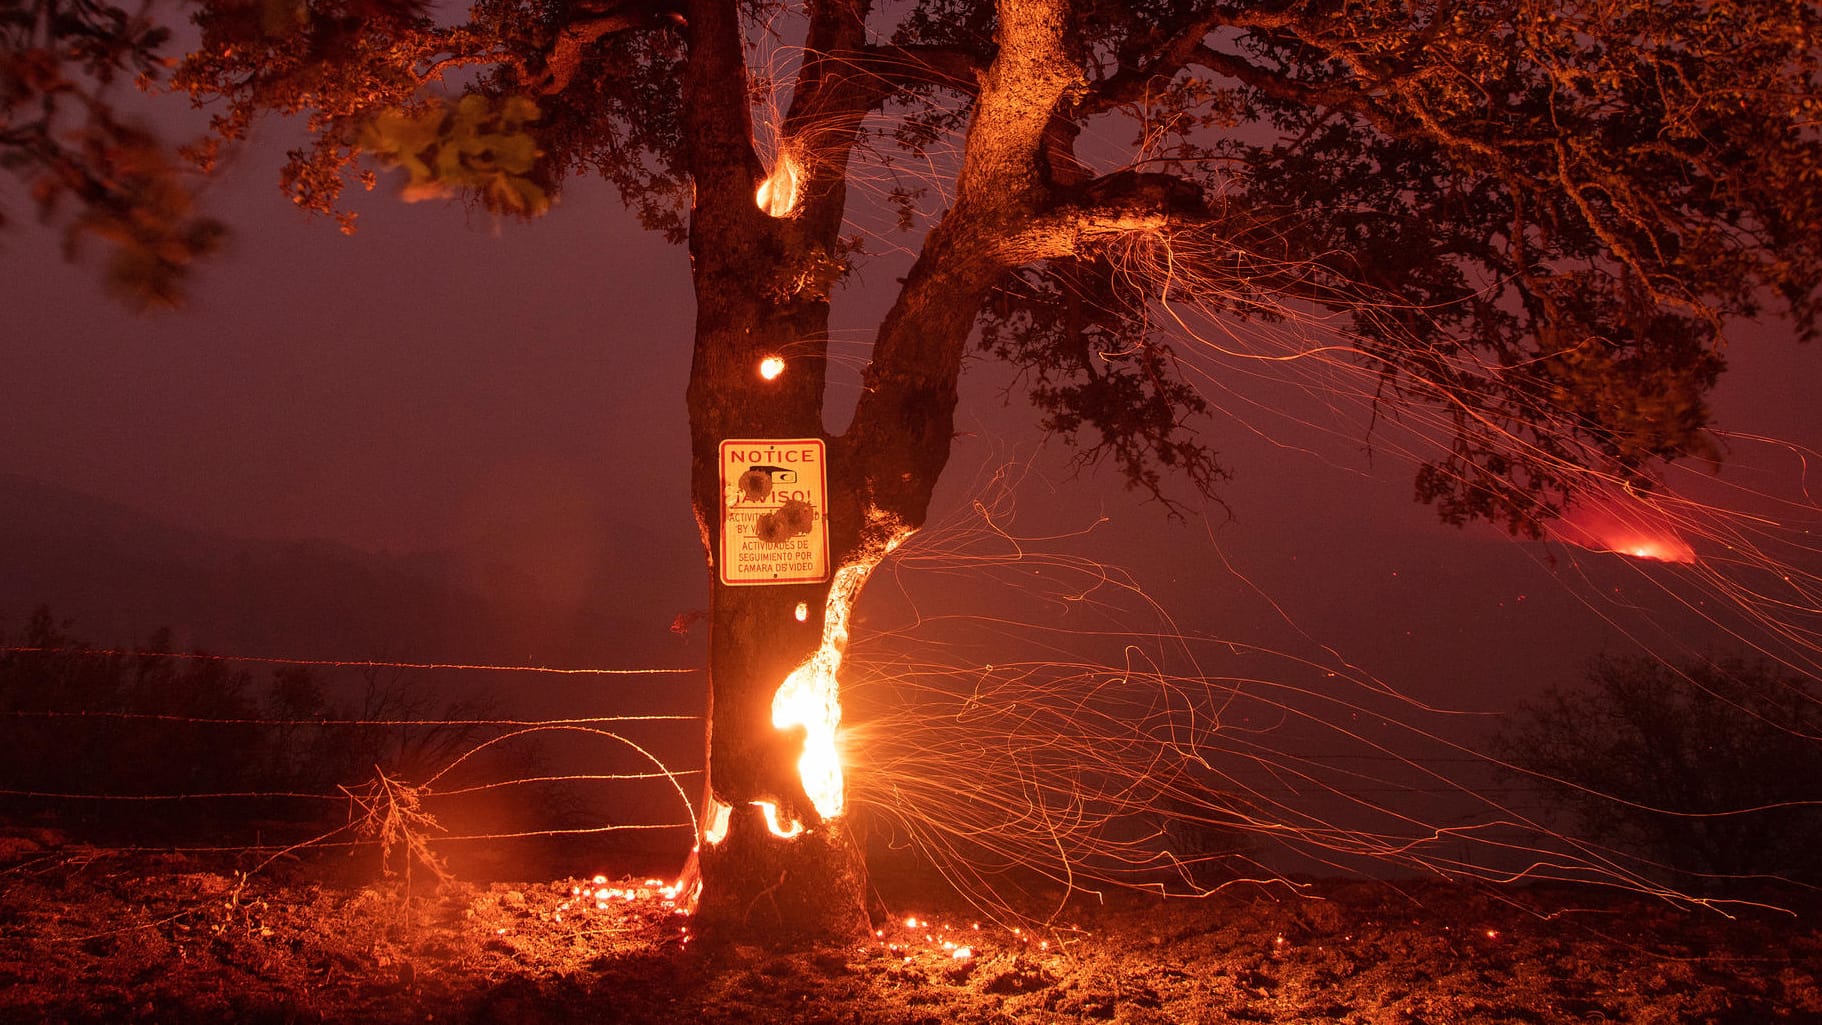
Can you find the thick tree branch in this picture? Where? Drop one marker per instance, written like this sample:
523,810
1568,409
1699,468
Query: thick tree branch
564,59
904,422
833,95
1350,98
1118,204
1020,93
1162,62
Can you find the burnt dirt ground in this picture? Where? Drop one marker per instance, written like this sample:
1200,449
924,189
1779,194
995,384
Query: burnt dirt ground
97,936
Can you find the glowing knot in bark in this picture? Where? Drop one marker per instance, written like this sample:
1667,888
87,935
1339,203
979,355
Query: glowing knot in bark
811,698
779,193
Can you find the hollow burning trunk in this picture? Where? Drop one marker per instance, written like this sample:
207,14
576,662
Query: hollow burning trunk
776,852
769,857
773,854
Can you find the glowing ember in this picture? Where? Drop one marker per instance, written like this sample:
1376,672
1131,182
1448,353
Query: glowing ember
771,367
810,697
782,830
778,194
716,829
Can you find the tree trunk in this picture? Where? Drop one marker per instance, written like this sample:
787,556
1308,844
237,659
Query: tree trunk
750,272
773,855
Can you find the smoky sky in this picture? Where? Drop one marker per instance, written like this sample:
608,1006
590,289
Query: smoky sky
441,378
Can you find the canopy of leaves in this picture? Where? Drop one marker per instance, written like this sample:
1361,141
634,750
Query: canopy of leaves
475,144
61,135
1537,217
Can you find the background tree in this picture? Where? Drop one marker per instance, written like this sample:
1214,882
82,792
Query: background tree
89,727
1711,769
1535,217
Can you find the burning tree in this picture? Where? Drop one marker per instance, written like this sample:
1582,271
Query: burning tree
1536,219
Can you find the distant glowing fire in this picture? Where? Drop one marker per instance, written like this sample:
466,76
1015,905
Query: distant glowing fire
1624,524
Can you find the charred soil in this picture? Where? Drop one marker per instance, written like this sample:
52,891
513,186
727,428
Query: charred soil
103,936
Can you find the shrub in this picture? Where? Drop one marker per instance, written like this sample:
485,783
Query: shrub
1711,769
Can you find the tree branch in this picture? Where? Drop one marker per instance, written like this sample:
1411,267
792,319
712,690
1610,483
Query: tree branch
1130,83
1123,203
904,421
564,59
1028,79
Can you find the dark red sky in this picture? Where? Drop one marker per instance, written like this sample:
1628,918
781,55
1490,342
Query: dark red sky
440,378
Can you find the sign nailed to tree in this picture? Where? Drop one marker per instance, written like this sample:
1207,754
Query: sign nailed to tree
774,511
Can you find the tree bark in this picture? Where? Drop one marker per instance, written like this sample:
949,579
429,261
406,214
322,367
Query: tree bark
762,285
754,276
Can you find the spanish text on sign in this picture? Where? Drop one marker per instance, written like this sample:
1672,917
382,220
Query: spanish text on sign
774,511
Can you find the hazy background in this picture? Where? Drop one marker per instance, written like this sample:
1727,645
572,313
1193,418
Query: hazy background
451,439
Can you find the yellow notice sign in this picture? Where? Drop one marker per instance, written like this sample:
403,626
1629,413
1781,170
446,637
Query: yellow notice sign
774,511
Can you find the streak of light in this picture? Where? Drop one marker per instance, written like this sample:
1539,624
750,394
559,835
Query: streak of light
1105,746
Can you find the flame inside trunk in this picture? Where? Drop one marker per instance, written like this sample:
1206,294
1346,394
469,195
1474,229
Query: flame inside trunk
778,194
811,697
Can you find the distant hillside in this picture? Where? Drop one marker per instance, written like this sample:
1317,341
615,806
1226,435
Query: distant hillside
119,574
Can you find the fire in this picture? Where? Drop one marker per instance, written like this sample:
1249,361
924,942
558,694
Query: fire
1659,552
716,829
782,831
771,366
779,193
1625,524
810,697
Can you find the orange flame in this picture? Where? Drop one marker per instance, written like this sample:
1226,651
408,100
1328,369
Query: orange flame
811,697
715,829
1624,524
779,193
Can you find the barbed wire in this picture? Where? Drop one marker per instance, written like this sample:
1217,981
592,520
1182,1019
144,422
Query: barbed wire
214,721
336,838
247,795
324,844
349,663
629,777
